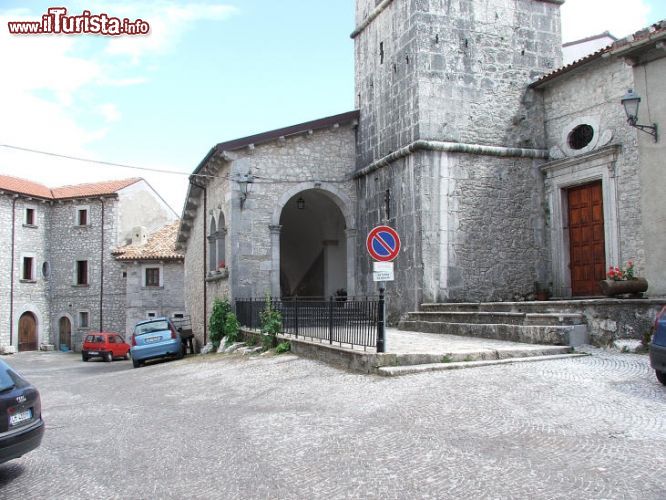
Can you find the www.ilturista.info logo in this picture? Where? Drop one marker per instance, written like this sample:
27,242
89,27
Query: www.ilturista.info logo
56,21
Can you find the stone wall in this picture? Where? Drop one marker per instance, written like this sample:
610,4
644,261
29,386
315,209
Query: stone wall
165,300
471,227
592,97
453,71
29,241
70,243
282,168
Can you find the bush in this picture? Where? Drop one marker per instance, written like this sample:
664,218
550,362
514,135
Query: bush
283,347
231,328
217,321
271,324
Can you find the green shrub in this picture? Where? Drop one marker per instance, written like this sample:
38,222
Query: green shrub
271,324
231,328
283,347
218,318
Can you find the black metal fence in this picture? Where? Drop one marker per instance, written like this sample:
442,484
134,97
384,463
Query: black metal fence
344,321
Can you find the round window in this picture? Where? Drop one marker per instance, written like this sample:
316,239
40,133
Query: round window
46,270
580,136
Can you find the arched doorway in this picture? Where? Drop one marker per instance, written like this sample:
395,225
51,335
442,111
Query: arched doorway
313,246
27,332
65,330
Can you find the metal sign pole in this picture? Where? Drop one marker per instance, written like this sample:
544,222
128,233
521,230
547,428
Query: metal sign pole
381,333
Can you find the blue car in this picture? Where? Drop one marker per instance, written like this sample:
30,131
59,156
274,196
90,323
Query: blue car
658,347
155,338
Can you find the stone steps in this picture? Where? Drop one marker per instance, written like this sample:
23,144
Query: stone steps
393,371
525,322
503,317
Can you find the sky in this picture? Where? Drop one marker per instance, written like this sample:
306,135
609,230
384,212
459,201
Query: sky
208,72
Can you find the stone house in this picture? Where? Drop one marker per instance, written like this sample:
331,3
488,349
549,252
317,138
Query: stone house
154,275
503,171
59,279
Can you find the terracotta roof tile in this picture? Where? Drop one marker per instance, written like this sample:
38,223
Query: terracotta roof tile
23,186
636,37
92,189
161,245
29,188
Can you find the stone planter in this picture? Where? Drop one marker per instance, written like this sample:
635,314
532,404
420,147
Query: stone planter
611,288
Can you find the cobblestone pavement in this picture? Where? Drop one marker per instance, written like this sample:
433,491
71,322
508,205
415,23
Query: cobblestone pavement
284,427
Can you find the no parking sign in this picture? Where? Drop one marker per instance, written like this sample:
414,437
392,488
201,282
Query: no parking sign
383,243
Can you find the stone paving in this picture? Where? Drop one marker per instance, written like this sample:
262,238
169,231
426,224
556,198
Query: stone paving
228,426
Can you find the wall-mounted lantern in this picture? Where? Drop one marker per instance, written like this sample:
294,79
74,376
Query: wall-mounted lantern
300,203
244,181
631,101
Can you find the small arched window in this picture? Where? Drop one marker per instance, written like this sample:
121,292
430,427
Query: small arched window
212,246
221,240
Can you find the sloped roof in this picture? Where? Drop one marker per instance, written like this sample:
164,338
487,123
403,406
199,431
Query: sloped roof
29,188
640,36
93,189
161,245
23,186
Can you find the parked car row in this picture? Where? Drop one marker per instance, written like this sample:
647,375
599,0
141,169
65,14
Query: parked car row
152,339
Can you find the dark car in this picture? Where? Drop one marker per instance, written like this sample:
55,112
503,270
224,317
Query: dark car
21,424
658,347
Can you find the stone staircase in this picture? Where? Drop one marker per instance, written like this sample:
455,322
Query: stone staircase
527,322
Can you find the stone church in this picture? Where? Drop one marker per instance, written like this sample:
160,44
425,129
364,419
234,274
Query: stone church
503,171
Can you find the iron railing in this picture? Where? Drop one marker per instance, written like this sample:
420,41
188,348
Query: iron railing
336,320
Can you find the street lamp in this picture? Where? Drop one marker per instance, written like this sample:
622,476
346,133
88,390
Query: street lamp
631,101
244,182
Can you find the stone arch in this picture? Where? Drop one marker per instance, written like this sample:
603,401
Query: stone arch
343,202
57,328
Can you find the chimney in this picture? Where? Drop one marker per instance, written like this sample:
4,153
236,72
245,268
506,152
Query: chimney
139,235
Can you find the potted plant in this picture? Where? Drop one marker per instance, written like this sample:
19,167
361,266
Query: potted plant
622,281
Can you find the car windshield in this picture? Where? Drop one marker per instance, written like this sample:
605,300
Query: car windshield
10,379
153,326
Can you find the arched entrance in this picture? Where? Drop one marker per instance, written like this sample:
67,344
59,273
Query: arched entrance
27,332
313,246
65,330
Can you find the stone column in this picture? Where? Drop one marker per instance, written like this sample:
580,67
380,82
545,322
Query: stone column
275,260
351,261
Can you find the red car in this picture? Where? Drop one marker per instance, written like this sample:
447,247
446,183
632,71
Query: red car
104,345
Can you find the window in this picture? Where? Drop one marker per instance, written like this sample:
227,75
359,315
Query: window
580,136
27,273
81,272
29,217
151,314
82,217
178,315
212,246
83,319
46,270
152,276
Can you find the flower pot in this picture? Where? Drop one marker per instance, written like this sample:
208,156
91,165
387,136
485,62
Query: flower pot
611,288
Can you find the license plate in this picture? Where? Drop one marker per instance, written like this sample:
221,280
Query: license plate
20,417
93,353
150,340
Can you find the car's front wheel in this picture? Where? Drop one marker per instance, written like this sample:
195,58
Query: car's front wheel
136,363
661,376
84,357
108,357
